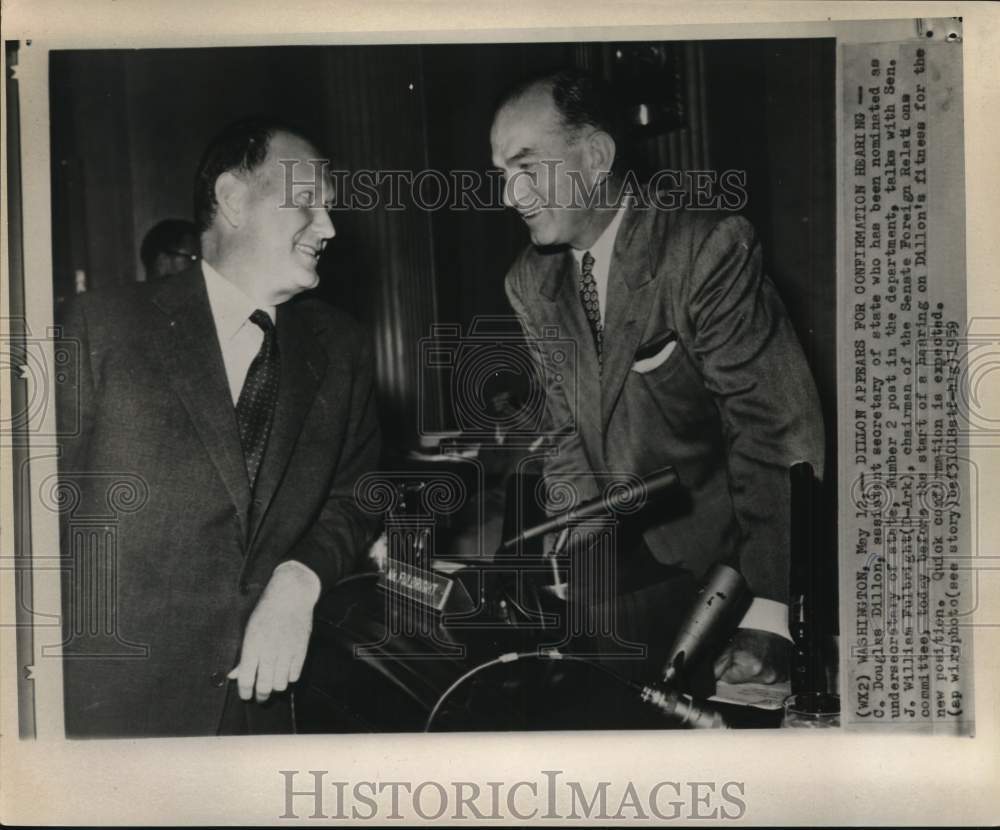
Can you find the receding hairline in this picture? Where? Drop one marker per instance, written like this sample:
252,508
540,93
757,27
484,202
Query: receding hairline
542,91
271,166
295,136
312,152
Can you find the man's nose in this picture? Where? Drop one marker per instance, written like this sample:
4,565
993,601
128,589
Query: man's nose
323,224
517,190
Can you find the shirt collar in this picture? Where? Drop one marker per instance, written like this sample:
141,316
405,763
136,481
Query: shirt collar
231,307
601,250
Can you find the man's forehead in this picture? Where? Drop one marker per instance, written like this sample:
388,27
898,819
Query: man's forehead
294,157
530,121
291,146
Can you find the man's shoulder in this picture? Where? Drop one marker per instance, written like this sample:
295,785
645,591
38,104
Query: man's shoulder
688,226
110,307
332,326
677,237
676,232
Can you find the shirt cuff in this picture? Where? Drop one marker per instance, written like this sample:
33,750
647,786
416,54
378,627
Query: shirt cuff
767,615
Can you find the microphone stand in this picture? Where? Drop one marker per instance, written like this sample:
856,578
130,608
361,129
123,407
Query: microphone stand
722,600
645,490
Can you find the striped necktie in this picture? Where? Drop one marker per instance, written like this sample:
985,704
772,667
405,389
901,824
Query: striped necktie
255,407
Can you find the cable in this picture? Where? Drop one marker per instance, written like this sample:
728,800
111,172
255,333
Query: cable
356,576
496,661
670,703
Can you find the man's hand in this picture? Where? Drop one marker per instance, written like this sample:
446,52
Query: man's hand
277,635
754,656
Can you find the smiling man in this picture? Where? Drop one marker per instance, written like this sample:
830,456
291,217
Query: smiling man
685,357
242,419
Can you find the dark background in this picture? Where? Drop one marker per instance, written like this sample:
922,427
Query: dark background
128,127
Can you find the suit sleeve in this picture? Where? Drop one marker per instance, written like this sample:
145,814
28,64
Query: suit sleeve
753,365
568,464
342,532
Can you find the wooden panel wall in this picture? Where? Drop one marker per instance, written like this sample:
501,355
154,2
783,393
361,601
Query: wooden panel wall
374,100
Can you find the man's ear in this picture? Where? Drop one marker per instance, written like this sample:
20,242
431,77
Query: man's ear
230,195
601,147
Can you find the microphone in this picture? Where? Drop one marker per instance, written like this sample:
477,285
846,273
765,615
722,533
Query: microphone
649,487
808,673
683,709
721,603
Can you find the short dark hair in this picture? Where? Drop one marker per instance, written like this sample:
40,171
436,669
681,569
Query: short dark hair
581,99
164,237
241,146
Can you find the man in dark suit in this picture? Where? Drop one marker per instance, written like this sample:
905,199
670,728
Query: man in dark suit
685,357
240,419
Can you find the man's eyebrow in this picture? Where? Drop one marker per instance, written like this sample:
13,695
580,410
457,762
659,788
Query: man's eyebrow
514,159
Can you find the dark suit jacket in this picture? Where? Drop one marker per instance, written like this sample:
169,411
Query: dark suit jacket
731,408
168,555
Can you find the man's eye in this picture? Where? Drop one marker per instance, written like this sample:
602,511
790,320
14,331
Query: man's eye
305,198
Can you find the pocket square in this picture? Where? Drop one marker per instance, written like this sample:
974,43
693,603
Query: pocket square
647,364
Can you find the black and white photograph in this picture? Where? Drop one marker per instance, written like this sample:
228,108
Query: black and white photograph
512,397
442,386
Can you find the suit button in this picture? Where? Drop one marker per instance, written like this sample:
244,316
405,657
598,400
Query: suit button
244,588
218,679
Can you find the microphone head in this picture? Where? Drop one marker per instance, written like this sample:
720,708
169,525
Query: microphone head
720,604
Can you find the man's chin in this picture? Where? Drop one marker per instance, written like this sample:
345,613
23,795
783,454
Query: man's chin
307,273
541,237
309,281
305,280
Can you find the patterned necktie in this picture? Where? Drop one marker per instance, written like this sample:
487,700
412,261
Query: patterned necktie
255,407
591,303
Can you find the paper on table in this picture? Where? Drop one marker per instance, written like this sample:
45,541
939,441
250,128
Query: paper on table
768,696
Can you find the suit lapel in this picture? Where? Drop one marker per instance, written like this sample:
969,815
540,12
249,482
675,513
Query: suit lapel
189,349
630,289
303,365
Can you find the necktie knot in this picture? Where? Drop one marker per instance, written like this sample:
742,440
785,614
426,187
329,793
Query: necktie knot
263,320
587,263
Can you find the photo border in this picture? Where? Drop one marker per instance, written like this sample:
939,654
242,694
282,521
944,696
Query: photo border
868,779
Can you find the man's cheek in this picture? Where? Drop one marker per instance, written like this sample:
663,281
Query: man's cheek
543,229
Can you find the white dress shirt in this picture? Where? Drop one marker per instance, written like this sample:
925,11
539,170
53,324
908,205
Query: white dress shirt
763,614
239,338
